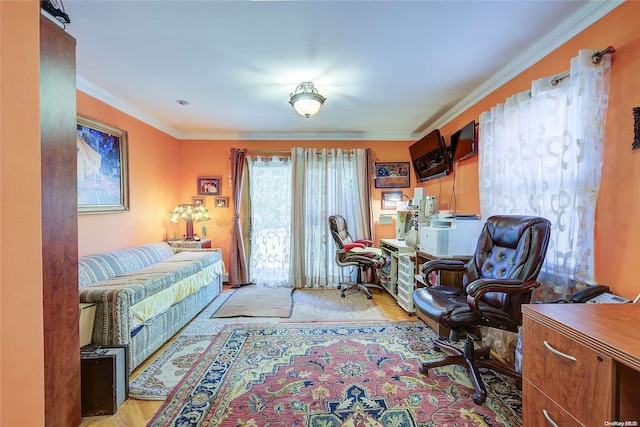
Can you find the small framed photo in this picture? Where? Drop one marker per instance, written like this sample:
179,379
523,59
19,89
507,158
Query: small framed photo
222,202
393,175
198,201
209,186
390,199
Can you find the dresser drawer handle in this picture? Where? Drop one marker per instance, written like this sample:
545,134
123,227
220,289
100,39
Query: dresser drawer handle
548,417
559,353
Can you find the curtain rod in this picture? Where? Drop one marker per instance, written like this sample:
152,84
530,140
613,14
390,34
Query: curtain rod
261,152
268,152
595,58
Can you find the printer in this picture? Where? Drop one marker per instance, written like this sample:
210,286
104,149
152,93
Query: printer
450,237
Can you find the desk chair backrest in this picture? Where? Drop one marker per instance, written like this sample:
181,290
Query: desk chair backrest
509,247
338,228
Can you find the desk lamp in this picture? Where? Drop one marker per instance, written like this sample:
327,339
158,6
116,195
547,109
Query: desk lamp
190,213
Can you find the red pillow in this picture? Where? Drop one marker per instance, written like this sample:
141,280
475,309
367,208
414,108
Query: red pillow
349,246
365,242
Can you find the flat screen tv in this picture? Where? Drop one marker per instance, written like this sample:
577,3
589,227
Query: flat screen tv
430,157
463,142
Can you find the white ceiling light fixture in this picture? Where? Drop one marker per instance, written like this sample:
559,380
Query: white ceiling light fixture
306,100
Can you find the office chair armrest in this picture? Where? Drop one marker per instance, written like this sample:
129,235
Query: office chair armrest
349,246
364,259
365,242
440,264
479,287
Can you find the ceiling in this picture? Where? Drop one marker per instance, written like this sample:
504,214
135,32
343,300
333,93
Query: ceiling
390,70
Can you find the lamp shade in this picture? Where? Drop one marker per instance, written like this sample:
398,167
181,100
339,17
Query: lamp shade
306,100
189,213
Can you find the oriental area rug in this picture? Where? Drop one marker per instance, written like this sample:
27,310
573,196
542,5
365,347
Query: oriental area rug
334,374
155,381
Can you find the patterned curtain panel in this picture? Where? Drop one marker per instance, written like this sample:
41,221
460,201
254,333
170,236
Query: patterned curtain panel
540,153
270,194
237,256
326,182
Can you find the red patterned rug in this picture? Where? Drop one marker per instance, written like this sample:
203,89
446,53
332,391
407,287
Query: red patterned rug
331,375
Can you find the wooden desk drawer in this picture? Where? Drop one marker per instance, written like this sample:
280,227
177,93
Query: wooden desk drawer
540,411
573,375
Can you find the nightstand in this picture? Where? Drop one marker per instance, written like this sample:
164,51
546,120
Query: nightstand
190,244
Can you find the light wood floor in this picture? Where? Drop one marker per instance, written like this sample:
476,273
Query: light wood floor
136,413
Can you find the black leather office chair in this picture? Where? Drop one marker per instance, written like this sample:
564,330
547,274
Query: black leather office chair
497,280
348,256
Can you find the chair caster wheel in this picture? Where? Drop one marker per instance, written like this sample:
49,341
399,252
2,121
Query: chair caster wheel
342,295
479,398
369,297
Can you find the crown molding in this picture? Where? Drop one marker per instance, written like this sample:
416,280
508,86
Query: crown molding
572,26
583,18
102,95
293,136
85,86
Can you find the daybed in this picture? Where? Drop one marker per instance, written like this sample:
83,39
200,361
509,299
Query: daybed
145,294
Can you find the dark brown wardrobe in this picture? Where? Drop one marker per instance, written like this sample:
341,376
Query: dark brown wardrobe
59,225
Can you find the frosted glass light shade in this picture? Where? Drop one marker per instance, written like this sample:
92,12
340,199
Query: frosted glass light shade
306,100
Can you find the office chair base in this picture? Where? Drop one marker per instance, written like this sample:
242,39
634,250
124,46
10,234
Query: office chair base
473,359
362,287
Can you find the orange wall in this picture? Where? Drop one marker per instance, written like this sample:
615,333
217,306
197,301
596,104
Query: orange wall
21,333
211,158
153,188
163,172
617,226
156,164
616,247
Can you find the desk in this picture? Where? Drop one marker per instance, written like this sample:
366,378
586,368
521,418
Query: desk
581,364
393,250
448,278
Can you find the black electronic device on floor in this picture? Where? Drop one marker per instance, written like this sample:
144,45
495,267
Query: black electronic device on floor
104,379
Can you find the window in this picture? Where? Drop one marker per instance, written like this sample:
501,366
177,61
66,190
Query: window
541,154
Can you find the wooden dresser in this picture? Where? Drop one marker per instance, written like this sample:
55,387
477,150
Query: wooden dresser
581,365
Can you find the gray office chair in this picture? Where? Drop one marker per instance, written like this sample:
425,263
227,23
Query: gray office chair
345,257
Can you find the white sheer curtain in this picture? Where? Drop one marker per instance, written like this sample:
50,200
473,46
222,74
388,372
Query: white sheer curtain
541,154
270,192
326,182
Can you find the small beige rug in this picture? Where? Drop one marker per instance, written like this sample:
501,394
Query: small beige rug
326,305
257,301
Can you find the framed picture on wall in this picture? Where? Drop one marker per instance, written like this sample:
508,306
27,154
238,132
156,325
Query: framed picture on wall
103,175
393,175
390,199
209,186
198,201
222,202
